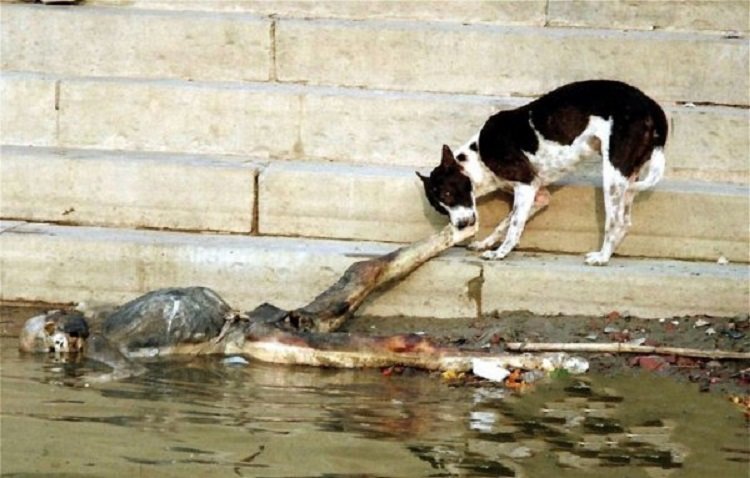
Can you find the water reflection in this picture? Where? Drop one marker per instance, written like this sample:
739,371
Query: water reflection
202,417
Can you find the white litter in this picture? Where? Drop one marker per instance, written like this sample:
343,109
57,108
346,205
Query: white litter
235,360
489,369
722,261
701,323
575,365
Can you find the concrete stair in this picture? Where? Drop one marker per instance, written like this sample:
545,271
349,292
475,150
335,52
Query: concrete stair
282,144
285,121
344,201
63,263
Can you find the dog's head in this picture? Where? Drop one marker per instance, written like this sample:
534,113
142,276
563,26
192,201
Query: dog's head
449,191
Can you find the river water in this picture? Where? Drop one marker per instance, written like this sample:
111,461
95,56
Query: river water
206,417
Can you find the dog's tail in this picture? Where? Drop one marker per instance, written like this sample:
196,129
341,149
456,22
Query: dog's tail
655,171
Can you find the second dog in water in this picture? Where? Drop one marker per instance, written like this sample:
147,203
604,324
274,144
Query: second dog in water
525,149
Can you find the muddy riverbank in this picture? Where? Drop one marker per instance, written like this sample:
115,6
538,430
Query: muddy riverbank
730,377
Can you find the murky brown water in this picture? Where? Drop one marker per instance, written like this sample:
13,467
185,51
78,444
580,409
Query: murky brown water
206,418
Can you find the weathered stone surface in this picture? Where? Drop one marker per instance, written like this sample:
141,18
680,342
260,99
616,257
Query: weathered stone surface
691,15
340,124
127,189
709,144
509,60
391,129
178,116
507,12
548,284
343,201
27,109
63,264
679,220
91,41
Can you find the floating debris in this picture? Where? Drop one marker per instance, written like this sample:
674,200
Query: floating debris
489,369
235,360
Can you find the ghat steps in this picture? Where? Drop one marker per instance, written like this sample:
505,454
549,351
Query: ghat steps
266,145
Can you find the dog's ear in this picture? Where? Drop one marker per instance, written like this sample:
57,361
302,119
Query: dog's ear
424,178
448,159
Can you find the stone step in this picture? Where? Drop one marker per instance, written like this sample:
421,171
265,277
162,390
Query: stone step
730,16
132,190
60,264
519,61
373,203
685,220
411,55
306,122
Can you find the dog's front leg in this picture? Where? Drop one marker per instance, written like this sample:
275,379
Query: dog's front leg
493,238
541,200
523,203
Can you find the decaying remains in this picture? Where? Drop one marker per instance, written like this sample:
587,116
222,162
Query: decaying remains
197,321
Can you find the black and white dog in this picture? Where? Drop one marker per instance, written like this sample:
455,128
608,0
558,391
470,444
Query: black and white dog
525,149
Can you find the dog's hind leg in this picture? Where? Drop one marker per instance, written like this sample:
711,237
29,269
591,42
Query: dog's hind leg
618,200
523,204
541,200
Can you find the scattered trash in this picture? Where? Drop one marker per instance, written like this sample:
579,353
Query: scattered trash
611,329
576,365
713,364
235,360
701,323
489,369
650,362
722,261
710,331
614,315
450,375
592,337
532,376
515,380
733,334
743,402
638,341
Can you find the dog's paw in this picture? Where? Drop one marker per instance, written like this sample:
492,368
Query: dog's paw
596,259
479,245
493,255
